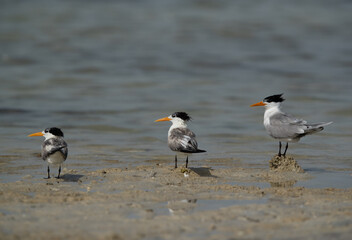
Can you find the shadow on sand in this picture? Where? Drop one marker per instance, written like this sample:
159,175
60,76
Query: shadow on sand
71,177
203,172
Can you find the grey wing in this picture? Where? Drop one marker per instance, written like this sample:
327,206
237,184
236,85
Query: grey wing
286,126
183,140
52,146
64,150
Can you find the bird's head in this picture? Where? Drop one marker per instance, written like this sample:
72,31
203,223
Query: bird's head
271,101
49,133
177,117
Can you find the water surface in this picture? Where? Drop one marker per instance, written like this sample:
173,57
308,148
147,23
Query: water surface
104,71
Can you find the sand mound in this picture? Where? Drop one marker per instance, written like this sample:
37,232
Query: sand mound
285,164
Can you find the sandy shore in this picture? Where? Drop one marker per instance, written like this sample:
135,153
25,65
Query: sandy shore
159,202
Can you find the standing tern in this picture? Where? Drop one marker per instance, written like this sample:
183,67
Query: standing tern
285,127
54,147
180,138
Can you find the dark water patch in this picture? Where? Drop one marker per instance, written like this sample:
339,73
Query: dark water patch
207,4
264,57
72,81
149,67
88,70
343,63
310,98
99,112
343,112
239,33
334,169
107,128
87,112
226,135
148,139
14,111
99,31
10,36
16,61
305,56
140,85
111,161
215,63
316,170
284,73
8,160
286,42
328,179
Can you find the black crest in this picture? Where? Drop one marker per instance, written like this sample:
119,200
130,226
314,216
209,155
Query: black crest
274,98
184,116
55,131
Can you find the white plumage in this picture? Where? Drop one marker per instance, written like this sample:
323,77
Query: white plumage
285,127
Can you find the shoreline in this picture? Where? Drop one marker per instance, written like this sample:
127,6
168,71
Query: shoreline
151,202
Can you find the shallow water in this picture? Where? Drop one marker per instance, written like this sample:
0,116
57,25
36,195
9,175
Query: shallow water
189,206
104,71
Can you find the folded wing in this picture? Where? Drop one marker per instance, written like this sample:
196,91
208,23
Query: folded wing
183,140
284,126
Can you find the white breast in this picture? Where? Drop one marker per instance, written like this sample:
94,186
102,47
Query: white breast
270,111
56,159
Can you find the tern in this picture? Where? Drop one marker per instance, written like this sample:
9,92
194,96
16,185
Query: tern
180,138
54,147
285,127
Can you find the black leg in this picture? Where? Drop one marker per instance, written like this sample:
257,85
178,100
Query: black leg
175,161
48,173
286,149
187,161
58,176
279,154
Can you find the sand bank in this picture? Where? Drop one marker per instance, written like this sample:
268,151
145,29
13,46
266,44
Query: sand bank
159,202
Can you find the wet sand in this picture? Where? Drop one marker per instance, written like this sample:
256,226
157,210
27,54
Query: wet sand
158,202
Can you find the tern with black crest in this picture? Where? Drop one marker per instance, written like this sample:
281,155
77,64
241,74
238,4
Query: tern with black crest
285,127
180,138
54,147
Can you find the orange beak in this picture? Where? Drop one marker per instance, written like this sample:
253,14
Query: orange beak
36,134
258,104
163,119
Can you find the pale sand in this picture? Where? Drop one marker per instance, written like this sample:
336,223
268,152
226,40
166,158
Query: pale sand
159,202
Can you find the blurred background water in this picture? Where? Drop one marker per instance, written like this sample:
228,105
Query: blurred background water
103,71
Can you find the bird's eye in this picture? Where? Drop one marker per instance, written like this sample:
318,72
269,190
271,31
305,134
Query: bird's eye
46,131
173,115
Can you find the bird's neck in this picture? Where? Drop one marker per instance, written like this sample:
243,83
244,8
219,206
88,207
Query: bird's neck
50,137
270,111
177,124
